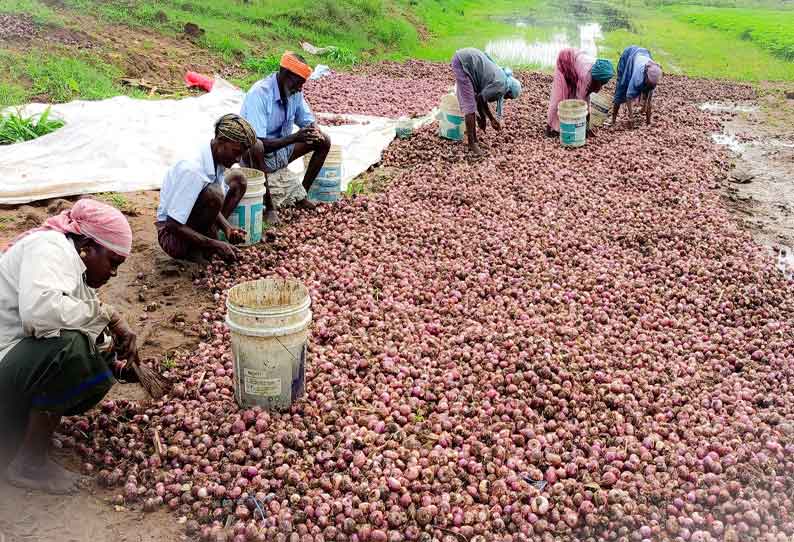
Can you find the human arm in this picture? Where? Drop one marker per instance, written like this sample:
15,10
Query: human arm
471,134
615,111
124,338
234,235
225,250
648,102
257,109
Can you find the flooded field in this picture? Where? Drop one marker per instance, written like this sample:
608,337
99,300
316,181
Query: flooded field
567,24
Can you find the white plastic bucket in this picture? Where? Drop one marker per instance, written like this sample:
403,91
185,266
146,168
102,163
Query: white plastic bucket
327,187
600,109
573,122
451,122
269,322
248,213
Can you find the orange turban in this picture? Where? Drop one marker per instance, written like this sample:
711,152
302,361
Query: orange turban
290,62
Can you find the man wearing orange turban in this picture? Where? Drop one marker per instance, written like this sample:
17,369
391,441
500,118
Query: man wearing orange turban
272,106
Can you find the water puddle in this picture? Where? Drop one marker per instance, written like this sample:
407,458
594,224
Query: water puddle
785,262
726,107
570,23
544,53
758,189
728,140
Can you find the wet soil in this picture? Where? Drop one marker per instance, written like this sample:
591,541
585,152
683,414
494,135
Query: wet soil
759,190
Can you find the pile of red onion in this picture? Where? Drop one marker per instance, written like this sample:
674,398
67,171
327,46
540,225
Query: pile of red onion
545,344
388,89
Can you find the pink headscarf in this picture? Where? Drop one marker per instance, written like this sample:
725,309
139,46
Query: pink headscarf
572,78
102,223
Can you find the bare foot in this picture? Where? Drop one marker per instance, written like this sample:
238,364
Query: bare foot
48,477
305,204
271,217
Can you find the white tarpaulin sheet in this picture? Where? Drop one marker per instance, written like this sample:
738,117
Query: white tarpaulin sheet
124,144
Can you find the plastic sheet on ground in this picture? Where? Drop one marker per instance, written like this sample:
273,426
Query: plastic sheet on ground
124,144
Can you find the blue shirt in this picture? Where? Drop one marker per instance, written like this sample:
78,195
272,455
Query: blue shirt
184,182
267,113
637,82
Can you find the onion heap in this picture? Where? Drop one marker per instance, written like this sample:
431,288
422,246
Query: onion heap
542,345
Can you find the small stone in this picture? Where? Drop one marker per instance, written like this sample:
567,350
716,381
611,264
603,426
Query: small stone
741,177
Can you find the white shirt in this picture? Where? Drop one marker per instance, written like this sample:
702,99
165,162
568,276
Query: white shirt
184,182
43,291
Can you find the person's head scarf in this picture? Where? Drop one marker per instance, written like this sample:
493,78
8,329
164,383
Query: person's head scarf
512,85
602,70
236,129
106,225
653,72
290,62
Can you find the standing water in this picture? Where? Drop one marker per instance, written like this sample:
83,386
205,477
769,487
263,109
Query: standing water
544,53
570,23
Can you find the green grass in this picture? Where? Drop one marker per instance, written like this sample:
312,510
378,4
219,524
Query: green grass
38,11
58,77
685,48
771,30
16,127
120,202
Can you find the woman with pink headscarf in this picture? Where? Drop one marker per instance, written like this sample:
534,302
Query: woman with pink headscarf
576,76
50,322
638,77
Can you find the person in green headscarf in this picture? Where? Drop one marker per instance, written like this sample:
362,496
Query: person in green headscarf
576,77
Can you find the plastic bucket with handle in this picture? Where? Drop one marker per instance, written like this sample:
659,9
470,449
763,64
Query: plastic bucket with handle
573,122
269,323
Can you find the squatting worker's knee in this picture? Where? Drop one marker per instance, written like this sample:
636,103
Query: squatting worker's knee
325,142
211,198
236,180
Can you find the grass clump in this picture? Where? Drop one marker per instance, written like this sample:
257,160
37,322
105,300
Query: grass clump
685,48
120,202
16,127
64,78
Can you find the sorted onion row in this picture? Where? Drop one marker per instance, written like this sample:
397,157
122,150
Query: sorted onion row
543,345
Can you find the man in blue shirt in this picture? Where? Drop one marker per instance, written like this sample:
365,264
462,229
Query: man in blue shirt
272,106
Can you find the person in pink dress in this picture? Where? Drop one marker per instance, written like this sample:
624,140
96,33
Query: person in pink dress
576,76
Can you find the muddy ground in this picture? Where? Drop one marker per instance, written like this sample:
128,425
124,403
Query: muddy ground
760,188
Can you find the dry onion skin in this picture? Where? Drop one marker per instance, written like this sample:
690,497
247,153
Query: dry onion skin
544,345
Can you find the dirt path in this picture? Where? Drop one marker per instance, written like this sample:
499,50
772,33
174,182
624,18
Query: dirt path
760,187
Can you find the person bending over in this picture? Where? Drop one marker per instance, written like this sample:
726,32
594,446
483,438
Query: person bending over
638,77
478,82
576,77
